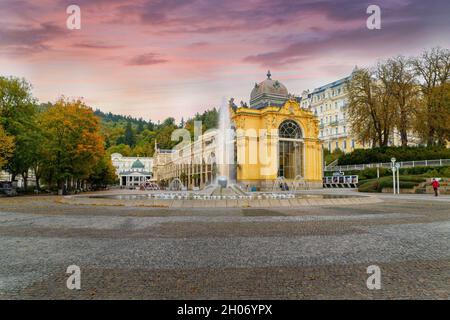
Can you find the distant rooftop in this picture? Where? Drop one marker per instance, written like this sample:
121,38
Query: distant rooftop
331,85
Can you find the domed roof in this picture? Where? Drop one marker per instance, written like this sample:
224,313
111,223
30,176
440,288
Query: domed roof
137,165
268,90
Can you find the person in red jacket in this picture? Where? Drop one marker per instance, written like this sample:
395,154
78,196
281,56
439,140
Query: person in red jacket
435,185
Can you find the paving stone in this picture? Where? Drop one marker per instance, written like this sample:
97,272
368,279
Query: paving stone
312,251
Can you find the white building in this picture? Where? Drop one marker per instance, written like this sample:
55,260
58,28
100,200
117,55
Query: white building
132,171
329,104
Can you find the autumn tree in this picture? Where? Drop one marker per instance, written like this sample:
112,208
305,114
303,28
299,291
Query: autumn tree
73,143
368,107
433,69
398,79
6,147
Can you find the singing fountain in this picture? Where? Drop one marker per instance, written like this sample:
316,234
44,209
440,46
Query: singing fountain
224,191
225,184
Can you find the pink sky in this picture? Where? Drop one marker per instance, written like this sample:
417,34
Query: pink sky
155,59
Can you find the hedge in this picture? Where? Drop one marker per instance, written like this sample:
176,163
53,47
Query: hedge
377,185
384,154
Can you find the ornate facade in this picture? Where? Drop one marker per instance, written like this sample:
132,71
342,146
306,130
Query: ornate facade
275,142
274,139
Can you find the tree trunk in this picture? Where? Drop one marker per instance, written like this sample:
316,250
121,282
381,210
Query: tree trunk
430,138
25,181
38,186
61,187
404,137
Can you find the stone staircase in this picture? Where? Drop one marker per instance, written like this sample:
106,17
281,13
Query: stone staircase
426,188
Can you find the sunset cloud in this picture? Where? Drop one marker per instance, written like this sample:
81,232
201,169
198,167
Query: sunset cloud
199,51
29,38
145,60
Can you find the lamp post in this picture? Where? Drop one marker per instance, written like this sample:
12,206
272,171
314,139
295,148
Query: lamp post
397,166
393,173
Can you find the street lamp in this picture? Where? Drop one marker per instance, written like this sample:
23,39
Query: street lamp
397,166
393,173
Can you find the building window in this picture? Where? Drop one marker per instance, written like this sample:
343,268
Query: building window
290,151
337,145
336,130
344,145
345,129
290,129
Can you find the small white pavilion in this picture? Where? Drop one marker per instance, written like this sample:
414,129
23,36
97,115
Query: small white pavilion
132,171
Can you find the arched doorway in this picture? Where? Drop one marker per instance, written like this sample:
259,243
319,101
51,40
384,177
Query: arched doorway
290,150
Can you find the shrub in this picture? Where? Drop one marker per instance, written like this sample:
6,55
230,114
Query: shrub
368,186
444,172
403,184
384,154
377,185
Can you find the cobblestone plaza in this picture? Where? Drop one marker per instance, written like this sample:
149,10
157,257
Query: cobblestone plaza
306,252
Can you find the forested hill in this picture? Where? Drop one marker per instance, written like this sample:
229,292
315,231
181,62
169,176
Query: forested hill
136,137
121,119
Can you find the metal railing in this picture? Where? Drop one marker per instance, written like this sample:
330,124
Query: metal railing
388,165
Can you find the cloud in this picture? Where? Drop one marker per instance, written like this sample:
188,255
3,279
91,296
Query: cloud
29,39
358,41
198,44
145,60
95,45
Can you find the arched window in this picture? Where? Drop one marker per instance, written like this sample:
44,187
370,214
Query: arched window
290,129
290,152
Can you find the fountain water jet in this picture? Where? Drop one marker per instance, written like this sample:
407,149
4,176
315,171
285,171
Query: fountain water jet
225,145
225,153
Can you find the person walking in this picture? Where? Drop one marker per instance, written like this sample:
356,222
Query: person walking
435,185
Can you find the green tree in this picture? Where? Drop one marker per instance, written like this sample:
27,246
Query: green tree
123,149
103,173
18,111
129,137
140,127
